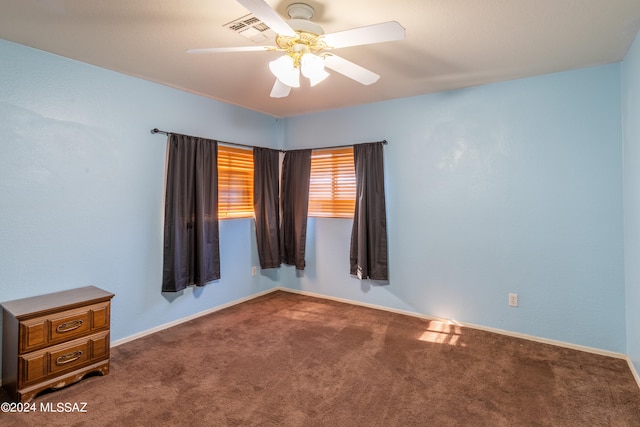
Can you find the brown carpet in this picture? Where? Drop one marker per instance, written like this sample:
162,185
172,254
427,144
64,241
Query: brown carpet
290,360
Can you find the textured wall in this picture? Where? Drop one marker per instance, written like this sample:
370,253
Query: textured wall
82,183
510,187
631,129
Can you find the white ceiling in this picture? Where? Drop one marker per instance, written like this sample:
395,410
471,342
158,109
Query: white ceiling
449,44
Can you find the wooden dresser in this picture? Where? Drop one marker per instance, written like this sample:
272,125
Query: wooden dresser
53,340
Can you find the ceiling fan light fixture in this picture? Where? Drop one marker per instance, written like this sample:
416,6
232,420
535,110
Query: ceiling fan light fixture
285,70
305,45
313,68
314,80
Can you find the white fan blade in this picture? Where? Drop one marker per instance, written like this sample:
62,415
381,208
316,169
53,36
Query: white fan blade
280,90
377,33
231,49
351,70
263,11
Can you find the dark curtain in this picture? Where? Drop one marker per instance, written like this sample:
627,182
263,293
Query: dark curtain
266,196
296,171
191,246
369,234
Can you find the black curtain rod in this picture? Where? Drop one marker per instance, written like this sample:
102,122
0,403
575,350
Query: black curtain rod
156,130
384,142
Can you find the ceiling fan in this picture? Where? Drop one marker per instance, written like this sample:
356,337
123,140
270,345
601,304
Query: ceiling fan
307,49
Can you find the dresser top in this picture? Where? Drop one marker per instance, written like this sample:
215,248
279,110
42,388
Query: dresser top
34,306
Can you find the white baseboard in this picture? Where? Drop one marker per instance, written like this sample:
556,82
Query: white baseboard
633,370
392,310
186,319
467,325
378,307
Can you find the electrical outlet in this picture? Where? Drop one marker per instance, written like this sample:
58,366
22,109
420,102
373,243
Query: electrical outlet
254,270
513,300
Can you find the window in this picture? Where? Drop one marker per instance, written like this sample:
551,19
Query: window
332,187
235,182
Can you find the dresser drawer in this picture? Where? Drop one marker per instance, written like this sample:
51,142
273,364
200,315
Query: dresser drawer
44,331
69,326
69,357
37,366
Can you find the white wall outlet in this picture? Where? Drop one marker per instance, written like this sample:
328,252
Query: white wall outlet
254,270
513,300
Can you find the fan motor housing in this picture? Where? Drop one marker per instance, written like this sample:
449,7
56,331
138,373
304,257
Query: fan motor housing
301,14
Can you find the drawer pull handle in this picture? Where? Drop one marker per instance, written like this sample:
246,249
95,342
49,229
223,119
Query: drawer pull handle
69,326
69,357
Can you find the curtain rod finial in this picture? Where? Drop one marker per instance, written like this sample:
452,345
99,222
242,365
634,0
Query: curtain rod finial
154,130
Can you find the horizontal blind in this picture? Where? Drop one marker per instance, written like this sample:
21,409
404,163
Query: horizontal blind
235,182
332,187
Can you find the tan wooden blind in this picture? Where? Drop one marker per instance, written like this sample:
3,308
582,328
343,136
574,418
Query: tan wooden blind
235,182
332,188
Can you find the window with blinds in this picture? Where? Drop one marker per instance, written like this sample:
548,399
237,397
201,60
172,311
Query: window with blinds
332,188
235,182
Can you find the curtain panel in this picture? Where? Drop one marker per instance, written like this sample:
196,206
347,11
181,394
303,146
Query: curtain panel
368,252
296,172
266,205
191,238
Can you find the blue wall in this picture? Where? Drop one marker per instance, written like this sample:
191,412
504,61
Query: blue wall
631,131
510,187
82,184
